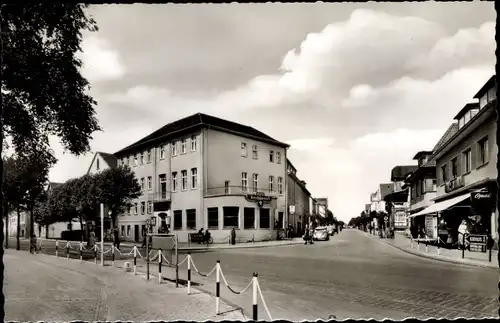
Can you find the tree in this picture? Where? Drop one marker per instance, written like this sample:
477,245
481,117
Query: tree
43,92
116,187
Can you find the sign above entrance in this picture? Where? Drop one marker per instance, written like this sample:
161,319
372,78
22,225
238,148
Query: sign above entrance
482,201
258,197
481,195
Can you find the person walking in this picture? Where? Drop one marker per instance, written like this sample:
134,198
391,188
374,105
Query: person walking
462,231
91,242
116,239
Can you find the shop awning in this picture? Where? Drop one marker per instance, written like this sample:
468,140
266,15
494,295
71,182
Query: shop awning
441,206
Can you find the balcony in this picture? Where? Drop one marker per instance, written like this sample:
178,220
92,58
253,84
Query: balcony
161,196
238,190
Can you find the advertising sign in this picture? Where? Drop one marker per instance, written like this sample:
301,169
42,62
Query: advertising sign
430,226
258,197
482,201
292,209
477,242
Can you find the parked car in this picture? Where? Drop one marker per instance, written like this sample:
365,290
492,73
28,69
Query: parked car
321,233
330,229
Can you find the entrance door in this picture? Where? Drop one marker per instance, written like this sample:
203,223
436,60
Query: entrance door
136,232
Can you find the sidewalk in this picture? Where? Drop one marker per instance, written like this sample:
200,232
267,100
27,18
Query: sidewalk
90,292
184,246
477,259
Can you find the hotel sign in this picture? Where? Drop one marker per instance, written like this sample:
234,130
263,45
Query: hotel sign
258,197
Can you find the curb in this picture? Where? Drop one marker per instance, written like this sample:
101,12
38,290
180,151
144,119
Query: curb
438,258
291,243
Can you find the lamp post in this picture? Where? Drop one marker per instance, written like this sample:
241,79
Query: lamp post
102,234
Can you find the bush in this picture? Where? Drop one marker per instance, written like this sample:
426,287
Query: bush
73,235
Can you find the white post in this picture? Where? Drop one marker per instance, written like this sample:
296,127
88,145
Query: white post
102,234
135,258
81,251
159,266
57,247
254,297
189,273
113,253
217,282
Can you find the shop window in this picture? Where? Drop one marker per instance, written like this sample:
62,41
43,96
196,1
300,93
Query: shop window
177,219
230,216
265,219
249,218
213,218
191,219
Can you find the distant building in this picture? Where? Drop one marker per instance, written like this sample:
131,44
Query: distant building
298,200
398,199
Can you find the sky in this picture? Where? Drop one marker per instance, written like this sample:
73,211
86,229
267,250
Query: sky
354,88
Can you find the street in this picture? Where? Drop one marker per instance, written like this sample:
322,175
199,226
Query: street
350,276
353,276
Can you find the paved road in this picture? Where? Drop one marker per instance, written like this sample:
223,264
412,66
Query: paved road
43,288
353,276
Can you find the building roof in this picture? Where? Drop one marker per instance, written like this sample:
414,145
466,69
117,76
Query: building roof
400,196
110,159
422,153
399,173
489,84
386,189
290,164
450,132
465,109
200,120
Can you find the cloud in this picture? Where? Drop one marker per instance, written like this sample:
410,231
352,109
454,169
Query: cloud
349,174
100,61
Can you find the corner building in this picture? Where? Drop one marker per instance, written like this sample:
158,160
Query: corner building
206,172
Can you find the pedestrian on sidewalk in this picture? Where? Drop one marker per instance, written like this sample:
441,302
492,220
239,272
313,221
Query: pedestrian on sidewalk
116,239
91,242
306,234
462,231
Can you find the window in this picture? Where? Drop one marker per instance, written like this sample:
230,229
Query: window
278,157
271,184
243,152
184,175
430,185
444,175
142,183
97,164
125,161
129,209
467,160
255,182
213,217
174,182
454,168
193,143
183,146
460,123
194,178
150,207
466,117
265,219
135,208
128,230
123,230
249,218
135,160
483,101
142,158
143,207
244,182
280,185
150,183
149,156
492,94
174,148
163,186
271,156
231,214
191,219
418,188
226,187
255,153
162,152
177,219
484,153
422,187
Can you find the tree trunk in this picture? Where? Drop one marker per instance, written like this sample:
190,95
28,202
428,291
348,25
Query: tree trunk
6,215
32,221
18,246
81,228
47,231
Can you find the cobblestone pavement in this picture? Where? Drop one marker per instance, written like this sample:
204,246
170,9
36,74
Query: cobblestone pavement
44,288
350,276
353,276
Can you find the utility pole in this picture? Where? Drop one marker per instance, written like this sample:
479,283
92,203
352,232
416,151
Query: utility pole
102,235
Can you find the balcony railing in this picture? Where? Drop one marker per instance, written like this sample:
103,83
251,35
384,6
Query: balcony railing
160,196
239,190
